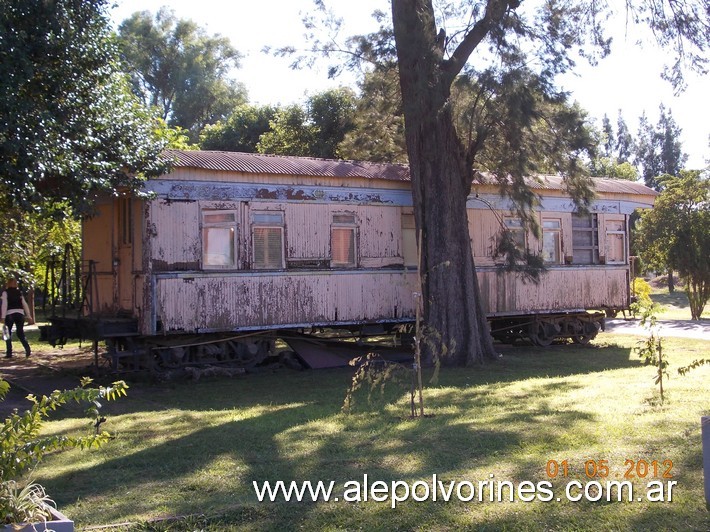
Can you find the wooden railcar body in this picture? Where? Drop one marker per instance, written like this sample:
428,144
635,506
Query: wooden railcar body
231,242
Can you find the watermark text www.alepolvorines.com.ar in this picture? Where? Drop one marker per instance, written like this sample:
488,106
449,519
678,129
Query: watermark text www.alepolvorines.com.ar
483,491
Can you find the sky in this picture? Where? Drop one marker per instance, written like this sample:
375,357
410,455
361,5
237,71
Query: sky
628,80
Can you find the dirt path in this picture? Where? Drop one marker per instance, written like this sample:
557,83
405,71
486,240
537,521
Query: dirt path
41,374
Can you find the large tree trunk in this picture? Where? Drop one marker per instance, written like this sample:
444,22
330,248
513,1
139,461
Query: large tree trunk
457,329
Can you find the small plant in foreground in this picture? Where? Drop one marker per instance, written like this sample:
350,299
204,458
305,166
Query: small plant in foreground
375,372
22,447
693,365
650,350
24,504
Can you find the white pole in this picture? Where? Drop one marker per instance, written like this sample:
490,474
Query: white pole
705,430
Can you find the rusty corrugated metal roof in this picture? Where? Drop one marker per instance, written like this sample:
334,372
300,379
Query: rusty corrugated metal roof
227,161
554,182
286,165
601,184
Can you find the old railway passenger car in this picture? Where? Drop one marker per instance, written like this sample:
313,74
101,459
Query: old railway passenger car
233,243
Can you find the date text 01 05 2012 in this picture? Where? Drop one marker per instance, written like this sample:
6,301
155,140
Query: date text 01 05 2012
601,469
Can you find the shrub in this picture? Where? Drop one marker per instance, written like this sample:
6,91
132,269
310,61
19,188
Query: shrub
642,290
22,447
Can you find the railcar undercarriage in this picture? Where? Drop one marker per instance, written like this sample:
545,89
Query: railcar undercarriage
165,356
544,329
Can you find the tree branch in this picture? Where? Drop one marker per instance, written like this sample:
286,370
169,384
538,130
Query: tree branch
495,11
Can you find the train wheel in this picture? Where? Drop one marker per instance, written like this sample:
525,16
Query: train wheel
248,355
541,334
585,332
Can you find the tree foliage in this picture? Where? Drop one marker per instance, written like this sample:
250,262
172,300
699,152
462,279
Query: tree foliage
241,131
659,150
614,152
674,234
70,126
30,240
23,445
378,122
177,68
315,130
289,133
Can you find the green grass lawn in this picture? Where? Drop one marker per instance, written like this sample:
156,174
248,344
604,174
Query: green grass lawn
675,306
194,449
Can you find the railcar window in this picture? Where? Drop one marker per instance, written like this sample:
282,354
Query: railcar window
551,241
585,239
219,233
517,229
343,241
268,240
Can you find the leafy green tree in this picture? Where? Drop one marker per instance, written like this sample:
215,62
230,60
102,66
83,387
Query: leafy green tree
331,115
313,131
378,122
608,139
624,141
289,133
30,240
23,445
177,68
616,145
614,150
175,138
553,134
674,234
70,126
241,131
610,167
659,150
511,46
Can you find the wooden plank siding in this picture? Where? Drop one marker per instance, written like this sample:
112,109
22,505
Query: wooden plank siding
222,302
209,302
560,288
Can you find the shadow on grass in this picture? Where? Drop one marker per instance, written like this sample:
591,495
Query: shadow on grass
212,439
211,468
676,299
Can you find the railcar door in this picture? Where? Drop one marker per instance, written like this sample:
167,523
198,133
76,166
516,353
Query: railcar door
124,268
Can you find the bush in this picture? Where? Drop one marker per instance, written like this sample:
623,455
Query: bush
22,447
642,290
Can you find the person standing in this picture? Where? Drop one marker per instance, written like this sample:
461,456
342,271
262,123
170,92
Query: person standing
14,311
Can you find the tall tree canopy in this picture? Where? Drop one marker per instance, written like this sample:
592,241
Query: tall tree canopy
615,148
315,130
176,67
497,40
70,125
378,123
241,131
675,234
659,150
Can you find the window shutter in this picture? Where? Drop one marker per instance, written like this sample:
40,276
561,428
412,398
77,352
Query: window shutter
268,247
